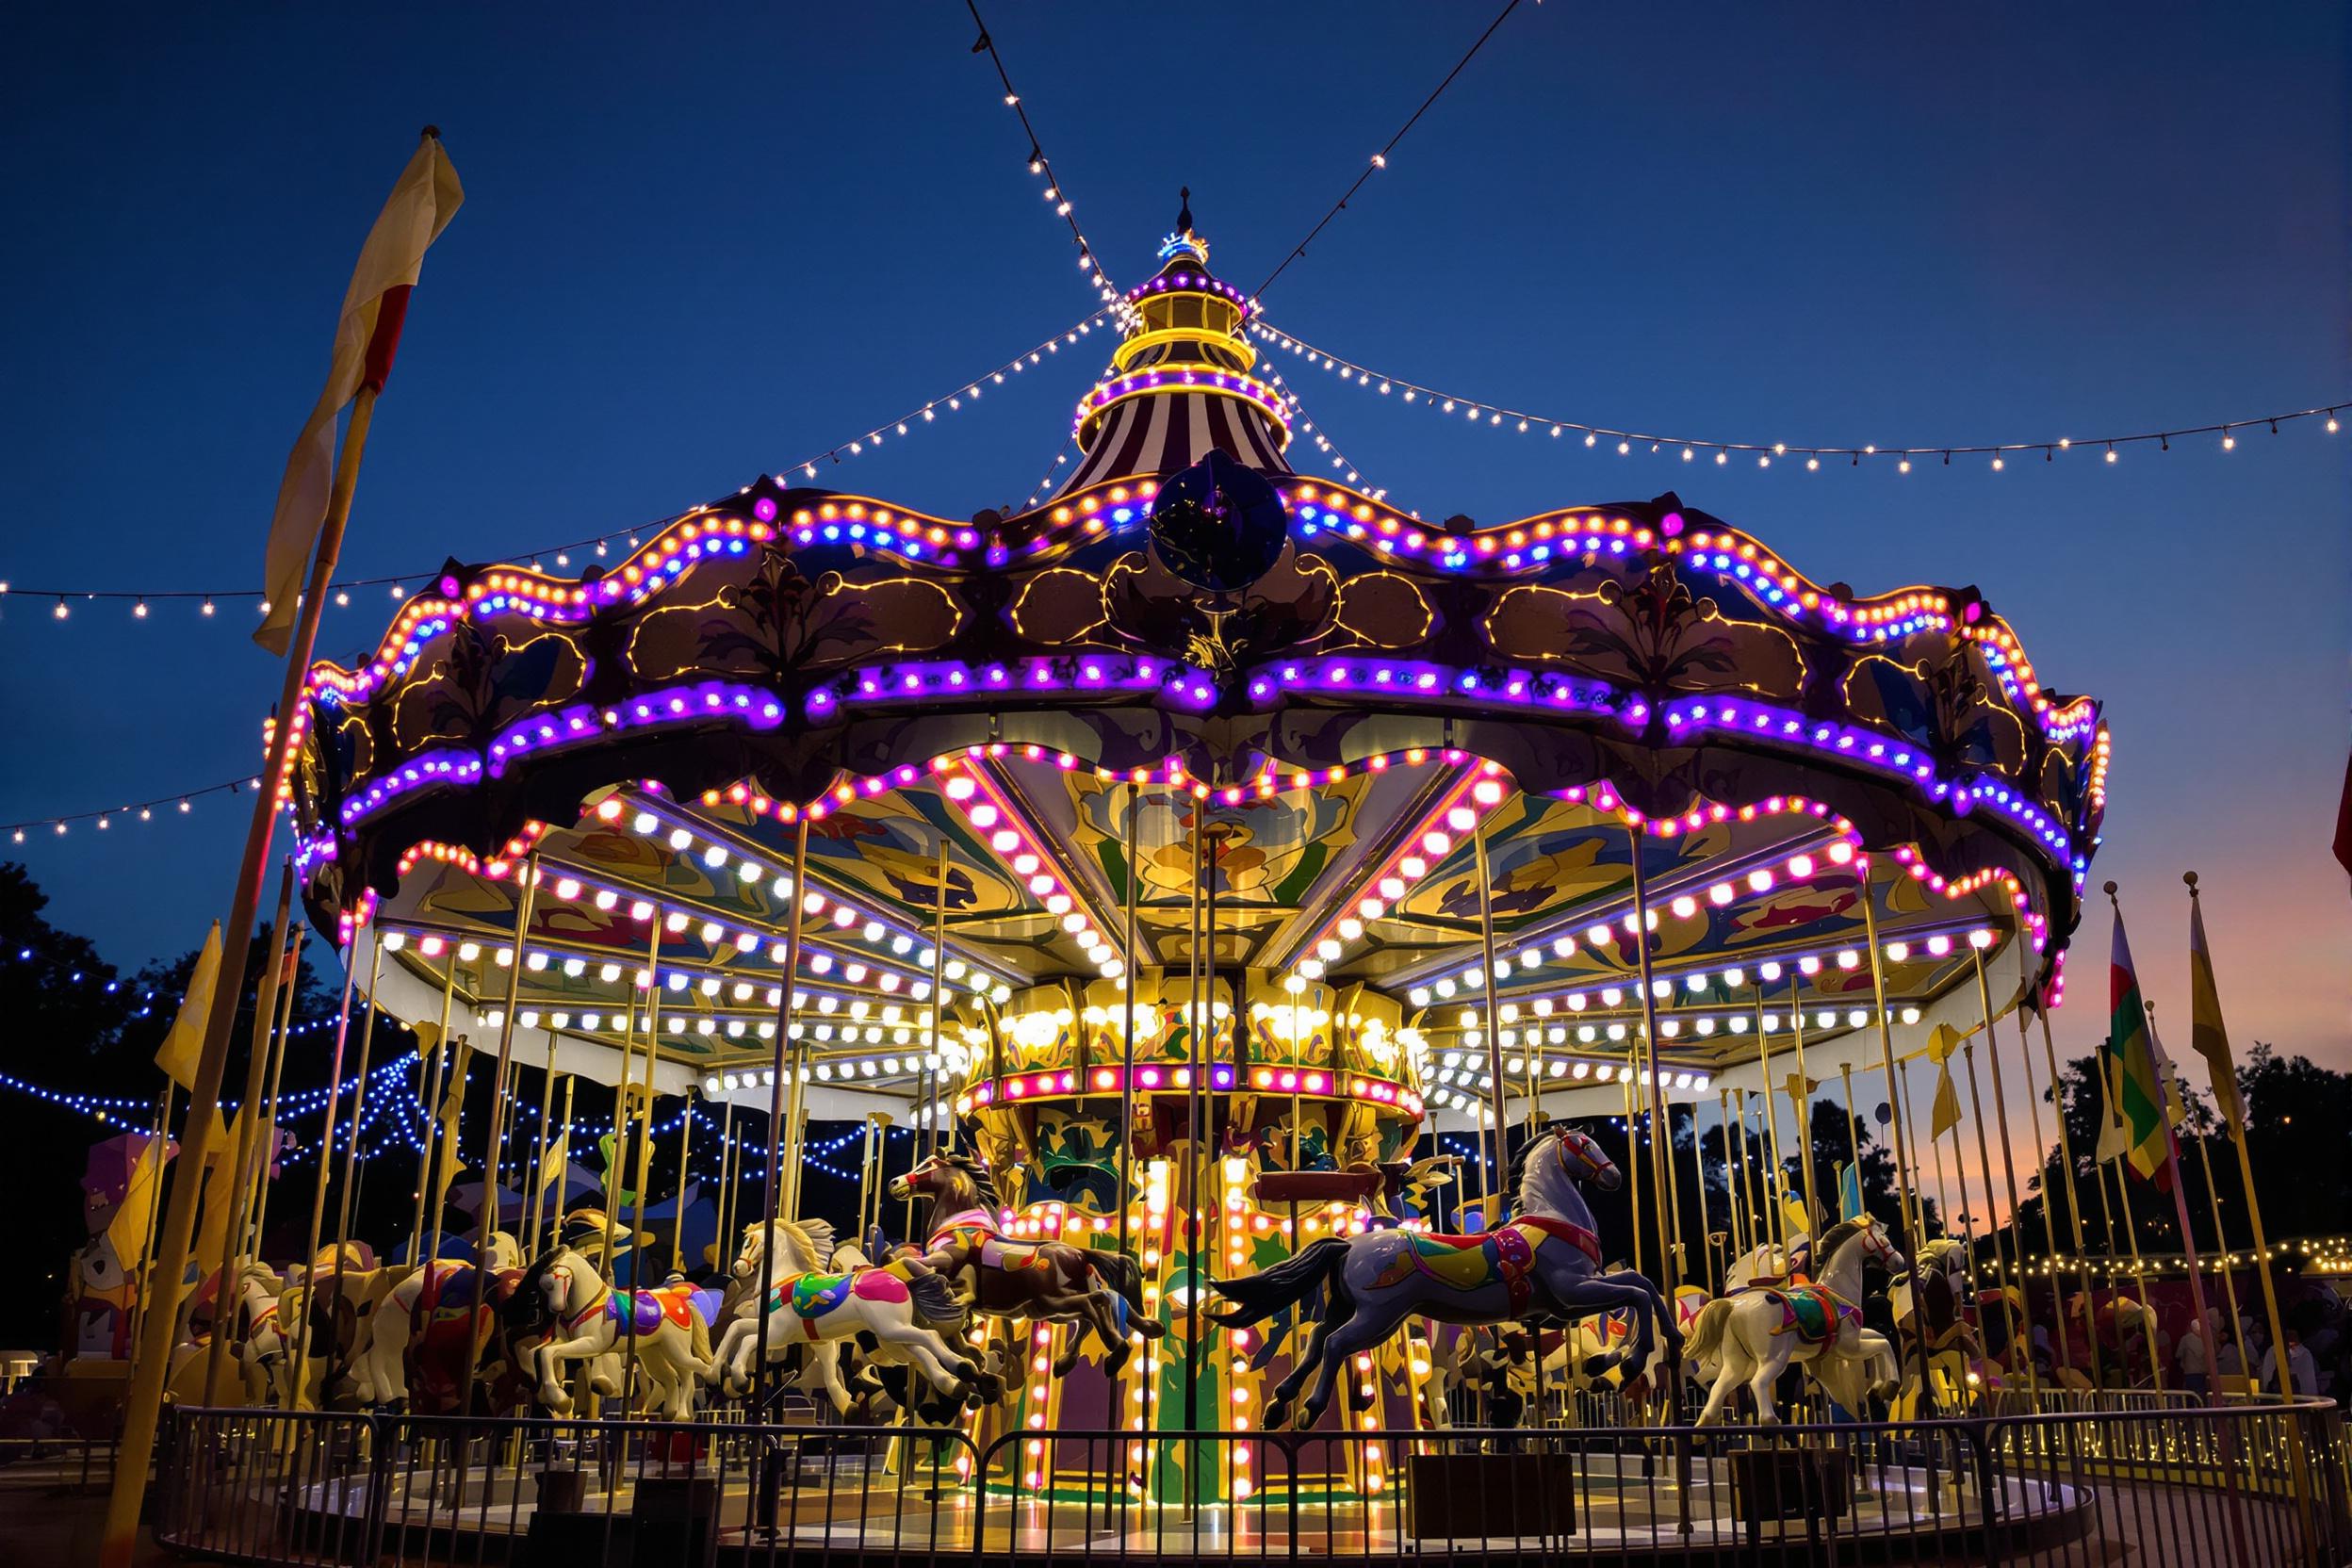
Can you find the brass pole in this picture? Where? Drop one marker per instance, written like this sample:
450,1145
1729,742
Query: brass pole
441,1054
551,1210
1492,1023
536,1205
1992,1232
260,1210
1776,1180
351,1149
318,1188
1886,1056
2050,1224
1656,1086
1633,1167
487,1216
2074,1199
249,1114
1735,1223
2139,1271
2221,1236
2008,1159
1801,1112
685,1153
784,1098
1853,1135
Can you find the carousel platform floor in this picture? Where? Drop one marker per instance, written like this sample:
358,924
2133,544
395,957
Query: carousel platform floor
1623,1513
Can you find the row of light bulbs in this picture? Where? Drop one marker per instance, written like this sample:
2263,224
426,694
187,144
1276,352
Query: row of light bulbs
1495,415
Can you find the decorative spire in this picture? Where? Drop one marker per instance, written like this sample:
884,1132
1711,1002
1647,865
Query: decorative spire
1183,210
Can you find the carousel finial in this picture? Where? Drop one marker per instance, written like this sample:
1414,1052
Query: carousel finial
1184,209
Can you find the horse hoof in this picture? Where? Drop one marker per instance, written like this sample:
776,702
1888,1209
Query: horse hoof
992,1387
1598,1366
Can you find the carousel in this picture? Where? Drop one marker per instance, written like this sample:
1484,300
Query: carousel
1240,900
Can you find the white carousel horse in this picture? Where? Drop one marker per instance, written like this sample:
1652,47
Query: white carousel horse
1758,1331
671,1327
399,1310
261,1336
903,1304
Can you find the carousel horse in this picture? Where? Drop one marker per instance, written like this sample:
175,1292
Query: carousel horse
1545,1262
419,1326
904,1304
261,1338
1755,1333
1049,1282
670,1326
1926,1301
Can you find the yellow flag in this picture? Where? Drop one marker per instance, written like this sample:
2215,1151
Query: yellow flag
134,1218
1943,1040
185,1042
2207,1035
212,1230
1793,1216
1946,1116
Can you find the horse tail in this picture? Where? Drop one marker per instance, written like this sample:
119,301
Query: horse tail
1125,1278
1706,1329
1257,1297
934,1302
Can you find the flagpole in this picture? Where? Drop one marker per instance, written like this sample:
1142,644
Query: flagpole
1886,1055
144,1405
2221,1236
287,987
2008,1159
2233,1116
429,1079
1801,1111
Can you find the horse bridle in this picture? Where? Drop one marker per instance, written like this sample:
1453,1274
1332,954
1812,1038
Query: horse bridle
1584,1156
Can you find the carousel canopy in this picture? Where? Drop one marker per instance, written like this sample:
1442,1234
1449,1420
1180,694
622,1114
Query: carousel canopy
1194,710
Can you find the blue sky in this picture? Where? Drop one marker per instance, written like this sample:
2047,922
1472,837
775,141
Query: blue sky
698,247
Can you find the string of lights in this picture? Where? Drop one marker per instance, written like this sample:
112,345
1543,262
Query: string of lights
1495,415
962,395
1323,442
1380,159
1042,166
179,804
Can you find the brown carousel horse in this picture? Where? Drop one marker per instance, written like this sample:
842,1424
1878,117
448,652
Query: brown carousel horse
1048,1280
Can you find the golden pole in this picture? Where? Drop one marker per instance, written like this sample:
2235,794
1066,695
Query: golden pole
2221,1236
2139,1272
1659,1166
487,1216
318,1189
2008,1159
1775,1183
249,1115
259,1210
1633,1162
1493,1024
1911,1131
442,1054
1759,1231
2074,1199
685,1151
2233,1117
1734,1226
535,1206
1854,1135
1992,1232
141,1303
1698,1185
784,1098
1886,1055
1800,1114
143,1406
2049,1225
551,1207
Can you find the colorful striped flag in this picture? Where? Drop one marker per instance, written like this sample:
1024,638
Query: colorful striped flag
2208,1036
2137,1094
1849,1192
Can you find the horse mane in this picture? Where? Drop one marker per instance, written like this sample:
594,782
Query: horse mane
984,1186
1836,1236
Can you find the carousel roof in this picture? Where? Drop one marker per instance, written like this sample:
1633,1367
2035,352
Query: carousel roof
1191,651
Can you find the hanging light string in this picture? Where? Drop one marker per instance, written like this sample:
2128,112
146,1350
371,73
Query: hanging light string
964,394
180,804
1500,415
1042,166
1323,442
1380,159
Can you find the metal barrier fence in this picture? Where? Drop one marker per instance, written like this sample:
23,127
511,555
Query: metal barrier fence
2255,1485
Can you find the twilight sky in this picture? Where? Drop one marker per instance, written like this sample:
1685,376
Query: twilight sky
696,249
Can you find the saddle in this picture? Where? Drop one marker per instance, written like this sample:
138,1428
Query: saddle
1506,1256
642,1312
1812,1313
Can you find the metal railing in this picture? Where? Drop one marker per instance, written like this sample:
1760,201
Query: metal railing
2247,1484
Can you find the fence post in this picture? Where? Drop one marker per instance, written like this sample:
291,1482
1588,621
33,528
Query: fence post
1981,1434
379,1493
